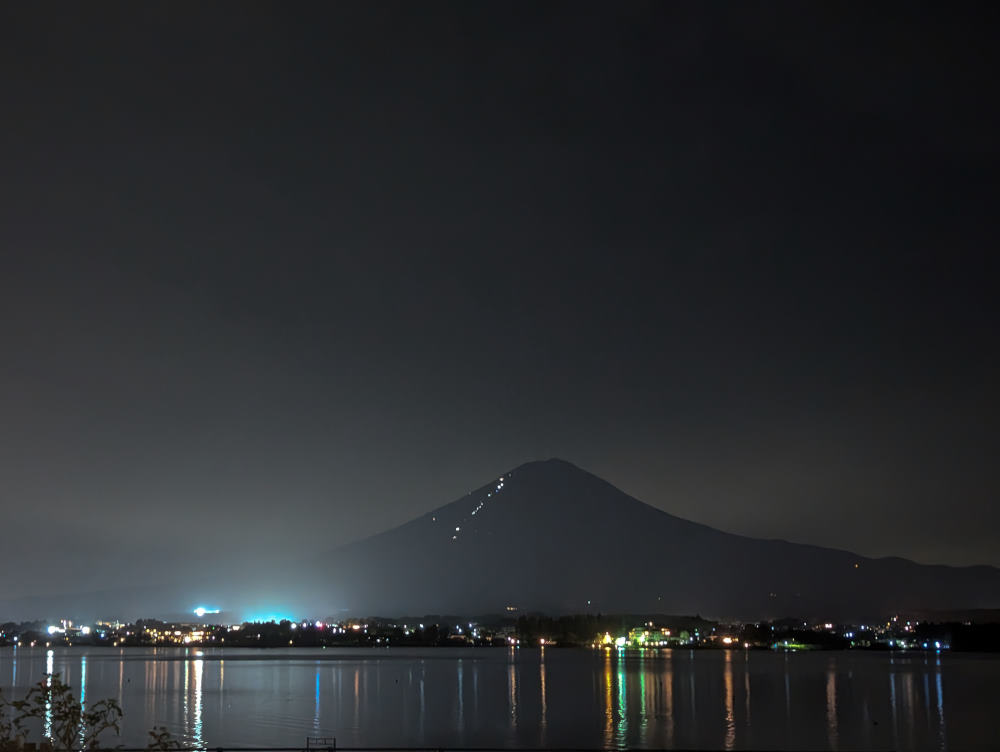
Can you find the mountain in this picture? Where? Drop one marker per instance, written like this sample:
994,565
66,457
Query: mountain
549,536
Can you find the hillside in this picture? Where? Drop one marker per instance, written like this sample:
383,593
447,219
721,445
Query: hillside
550,536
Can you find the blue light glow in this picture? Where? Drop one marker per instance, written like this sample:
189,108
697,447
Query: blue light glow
266,617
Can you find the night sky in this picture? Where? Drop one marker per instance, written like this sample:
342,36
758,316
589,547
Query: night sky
277,277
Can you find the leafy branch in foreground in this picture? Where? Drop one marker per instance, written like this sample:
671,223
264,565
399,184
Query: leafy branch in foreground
161,740
8,738
67,724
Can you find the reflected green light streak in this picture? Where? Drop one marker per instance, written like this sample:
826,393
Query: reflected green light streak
621,734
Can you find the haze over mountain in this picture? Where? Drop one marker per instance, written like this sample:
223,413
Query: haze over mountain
549,536
552,537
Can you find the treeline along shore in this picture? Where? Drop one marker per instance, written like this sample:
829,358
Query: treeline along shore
620,632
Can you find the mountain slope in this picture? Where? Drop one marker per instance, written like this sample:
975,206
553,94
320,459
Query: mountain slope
549,536
552,537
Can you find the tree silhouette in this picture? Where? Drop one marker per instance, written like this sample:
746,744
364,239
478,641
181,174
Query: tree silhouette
67,724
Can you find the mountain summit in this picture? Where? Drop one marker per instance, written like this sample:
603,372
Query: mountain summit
552,537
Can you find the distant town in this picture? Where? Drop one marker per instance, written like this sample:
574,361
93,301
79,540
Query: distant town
607,633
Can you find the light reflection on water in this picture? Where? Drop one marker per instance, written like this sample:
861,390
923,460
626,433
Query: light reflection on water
49,670
82,737
942,737
541,677
196,737
730,716
831,704
532,697
668,685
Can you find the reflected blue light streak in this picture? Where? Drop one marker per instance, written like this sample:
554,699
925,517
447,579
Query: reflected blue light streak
460,671
316,708
83,697
942,736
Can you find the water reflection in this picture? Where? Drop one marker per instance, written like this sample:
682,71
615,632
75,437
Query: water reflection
460,672
357,695
942,738
643,717
621,733
83,680
892,701
83,697
422,703
545,707
730,717
694,706
475,688
512,690
609,717
831,705
316,704
788,694
907,681
186,700
576,699
668,684
49,670
199,666
746,687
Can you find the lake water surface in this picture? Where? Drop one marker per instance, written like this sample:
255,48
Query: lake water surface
503,697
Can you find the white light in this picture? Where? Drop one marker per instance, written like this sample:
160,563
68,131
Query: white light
457,528
53,630
85,630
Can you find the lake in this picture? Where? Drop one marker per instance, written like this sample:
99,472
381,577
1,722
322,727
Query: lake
506,697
